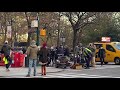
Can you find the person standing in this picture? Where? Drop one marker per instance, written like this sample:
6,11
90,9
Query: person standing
77,53
67,52
43,58
52,55
92,47
88,57
61,50
32,52
6,51
101,55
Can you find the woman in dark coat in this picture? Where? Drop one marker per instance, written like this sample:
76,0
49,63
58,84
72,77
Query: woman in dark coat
101,55
43,58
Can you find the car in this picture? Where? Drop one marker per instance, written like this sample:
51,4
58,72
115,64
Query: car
112,51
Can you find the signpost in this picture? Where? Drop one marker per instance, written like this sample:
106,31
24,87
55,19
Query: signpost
35,24
9,31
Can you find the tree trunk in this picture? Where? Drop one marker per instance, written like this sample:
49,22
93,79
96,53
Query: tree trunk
29,27
58,38
29,35
5,28
5,34
79,36
74,38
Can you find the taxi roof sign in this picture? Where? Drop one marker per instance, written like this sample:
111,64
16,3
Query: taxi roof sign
105,39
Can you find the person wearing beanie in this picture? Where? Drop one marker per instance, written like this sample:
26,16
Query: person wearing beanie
32,52
43,58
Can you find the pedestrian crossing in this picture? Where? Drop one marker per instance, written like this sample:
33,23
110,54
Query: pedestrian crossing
73,75
64,75
105,67
96,68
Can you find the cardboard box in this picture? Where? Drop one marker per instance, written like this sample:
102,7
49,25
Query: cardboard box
79,67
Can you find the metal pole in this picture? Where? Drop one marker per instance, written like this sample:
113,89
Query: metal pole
58,30
38,32
11,30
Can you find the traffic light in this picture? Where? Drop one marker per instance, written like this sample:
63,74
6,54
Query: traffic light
42,32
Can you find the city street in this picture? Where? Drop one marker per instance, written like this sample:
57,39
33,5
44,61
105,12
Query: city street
106,71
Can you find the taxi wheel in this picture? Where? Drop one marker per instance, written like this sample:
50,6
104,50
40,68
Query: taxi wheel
117,61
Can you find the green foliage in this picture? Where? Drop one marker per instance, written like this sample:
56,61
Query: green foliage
105,26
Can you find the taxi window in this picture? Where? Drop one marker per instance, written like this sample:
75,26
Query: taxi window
98,46
110,48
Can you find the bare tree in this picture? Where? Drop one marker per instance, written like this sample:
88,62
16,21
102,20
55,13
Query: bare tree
79,20
29,26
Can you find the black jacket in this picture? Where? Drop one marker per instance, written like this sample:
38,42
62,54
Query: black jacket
6,49
101,53
43,55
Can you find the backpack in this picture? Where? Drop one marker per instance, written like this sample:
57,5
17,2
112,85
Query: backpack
4,49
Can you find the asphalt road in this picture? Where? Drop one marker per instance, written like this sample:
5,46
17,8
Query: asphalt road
106,71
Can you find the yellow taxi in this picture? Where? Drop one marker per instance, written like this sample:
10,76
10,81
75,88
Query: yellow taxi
112,51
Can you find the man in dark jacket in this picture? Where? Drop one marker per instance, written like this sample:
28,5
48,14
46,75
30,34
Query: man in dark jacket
52,55
43,58
101,55
61,50
66,53
6,51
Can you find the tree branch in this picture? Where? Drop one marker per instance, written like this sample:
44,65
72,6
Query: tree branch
27,19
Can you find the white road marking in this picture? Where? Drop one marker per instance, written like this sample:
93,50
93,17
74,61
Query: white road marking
18,73
74,75
106,67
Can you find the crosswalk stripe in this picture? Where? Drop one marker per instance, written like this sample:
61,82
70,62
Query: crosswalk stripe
73,75
107,67
68,75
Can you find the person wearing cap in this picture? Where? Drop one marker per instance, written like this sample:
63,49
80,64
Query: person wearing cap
43,58
6,51
32,52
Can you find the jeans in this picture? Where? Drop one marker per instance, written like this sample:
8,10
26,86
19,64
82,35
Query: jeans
32,62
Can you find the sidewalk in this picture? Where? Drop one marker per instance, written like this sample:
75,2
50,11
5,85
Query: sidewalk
22,71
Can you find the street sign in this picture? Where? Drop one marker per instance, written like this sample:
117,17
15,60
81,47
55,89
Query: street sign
9,31
34,23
